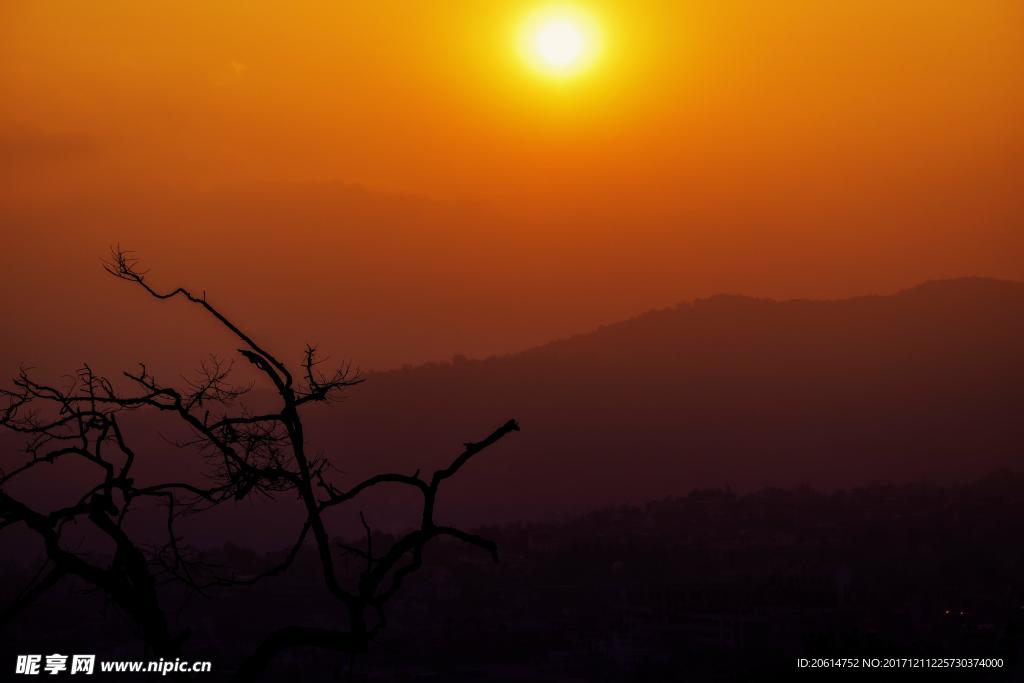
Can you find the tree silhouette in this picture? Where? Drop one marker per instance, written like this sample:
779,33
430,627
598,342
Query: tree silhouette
75,423
245,454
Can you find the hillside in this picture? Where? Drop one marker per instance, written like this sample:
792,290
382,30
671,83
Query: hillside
727,391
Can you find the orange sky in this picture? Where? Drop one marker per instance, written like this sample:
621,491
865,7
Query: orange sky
390,179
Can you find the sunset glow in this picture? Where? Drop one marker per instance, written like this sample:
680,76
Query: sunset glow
577,161
543,340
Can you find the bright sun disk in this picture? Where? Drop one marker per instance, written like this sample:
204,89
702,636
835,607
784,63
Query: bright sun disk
559,41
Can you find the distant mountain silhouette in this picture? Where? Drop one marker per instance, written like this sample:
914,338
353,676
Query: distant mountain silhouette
728,391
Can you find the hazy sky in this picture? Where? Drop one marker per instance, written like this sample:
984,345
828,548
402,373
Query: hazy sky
389,177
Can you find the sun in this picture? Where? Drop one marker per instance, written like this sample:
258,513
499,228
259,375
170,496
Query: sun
560,41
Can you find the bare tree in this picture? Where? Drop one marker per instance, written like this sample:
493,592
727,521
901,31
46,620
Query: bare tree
246,453
78,423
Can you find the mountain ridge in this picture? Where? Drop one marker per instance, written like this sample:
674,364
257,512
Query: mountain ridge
728,390
725,299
